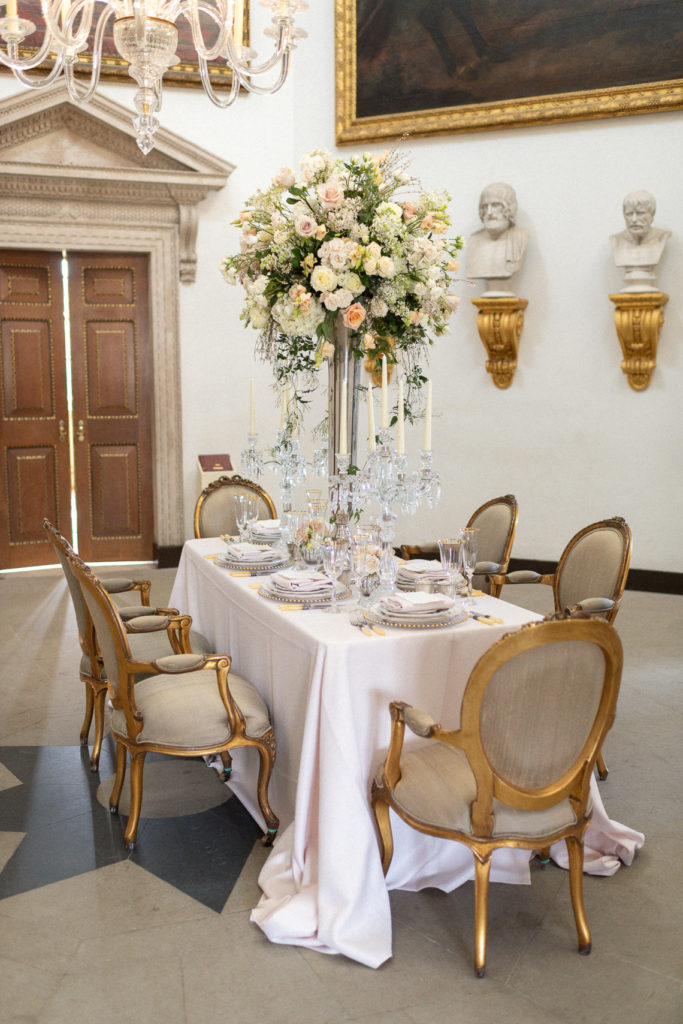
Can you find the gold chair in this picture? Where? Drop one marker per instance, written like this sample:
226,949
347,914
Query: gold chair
497,522
590,575
214,513
184,705
535,711
146,641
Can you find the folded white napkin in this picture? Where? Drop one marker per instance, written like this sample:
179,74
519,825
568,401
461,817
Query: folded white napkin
266,526
424,569
416,603
304,581
243,551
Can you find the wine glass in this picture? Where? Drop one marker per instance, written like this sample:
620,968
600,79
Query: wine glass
253,506
468,557
240,506
359,556
334,561
450,552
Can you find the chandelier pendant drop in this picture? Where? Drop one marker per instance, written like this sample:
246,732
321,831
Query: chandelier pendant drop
145,35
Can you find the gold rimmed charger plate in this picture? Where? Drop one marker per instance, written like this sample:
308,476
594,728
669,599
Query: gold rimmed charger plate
299,598
416,622
256,568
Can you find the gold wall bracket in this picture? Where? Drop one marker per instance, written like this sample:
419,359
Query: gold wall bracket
638,317
500,322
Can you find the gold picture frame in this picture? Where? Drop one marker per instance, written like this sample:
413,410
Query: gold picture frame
184,73
368,77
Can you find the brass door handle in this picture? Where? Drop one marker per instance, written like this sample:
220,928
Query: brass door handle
62,430
80,431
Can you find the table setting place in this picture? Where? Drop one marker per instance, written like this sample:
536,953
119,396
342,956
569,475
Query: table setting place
250,559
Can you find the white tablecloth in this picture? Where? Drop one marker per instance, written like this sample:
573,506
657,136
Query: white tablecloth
328,688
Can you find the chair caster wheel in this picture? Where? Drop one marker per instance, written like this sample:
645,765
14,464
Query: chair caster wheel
114,811
130,846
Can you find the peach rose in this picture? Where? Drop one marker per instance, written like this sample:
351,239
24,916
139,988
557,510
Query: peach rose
331,193
354,316
285,176
409,211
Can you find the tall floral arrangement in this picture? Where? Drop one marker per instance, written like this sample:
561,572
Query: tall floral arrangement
340,239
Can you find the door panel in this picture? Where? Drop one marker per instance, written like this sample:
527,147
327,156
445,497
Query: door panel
111,375
33,419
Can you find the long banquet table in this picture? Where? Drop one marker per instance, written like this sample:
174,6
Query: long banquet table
328,687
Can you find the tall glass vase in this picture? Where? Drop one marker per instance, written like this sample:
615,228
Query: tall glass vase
342,367
344,377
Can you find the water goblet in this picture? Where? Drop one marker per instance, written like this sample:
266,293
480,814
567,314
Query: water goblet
252,511
334,561
240,507
449,551
298,527
359,555
468,557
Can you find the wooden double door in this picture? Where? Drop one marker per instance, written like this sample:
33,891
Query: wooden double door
98,447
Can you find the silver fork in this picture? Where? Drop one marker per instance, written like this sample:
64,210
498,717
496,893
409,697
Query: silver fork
357,619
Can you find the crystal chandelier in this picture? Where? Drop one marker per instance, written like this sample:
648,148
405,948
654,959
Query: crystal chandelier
145,35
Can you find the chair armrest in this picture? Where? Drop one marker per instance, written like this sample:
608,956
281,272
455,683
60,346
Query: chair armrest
596,605
177,663
122,584
132,611
147,624
418,721
486,567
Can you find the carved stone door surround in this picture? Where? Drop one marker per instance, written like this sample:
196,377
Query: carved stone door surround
73,178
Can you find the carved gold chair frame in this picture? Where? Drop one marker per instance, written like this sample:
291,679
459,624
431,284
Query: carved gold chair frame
235,481
123,671
573,783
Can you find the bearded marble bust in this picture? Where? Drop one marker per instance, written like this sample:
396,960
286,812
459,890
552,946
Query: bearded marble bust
496,252
638,249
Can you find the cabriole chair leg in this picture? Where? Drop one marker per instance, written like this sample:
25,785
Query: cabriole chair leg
115,796
575,852
89,703
137,765
481,905
266,751
603,771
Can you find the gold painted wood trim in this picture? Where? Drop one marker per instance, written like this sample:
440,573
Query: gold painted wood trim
638,317
500,322
646,98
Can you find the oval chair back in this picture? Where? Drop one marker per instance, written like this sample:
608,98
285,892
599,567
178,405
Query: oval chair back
496,521
214,512
594,564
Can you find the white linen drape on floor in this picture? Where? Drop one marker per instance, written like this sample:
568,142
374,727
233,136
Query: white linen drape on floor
328,688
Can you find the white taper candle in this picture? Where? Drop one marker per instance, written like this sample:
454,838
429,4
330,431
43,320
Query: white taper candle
428,419
400,426
252,410
384,421
371,419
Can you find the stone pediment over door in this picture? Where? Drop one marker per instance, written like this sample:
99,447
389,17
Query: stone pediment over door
73,178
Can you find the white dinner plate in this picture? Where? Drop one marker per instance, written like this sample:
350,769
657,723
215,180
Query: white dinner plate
259,566
273,593
447,617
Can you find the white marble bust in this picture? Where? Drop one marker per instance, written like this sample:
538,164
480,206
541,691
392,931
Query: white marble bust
496,252
640,246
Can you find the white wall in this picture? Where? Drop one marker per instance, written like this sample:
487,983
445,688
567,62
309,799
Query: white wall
570,438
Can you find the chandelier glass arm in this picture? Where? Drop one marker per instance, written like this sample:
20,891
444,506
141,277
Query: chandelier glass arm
221,101
78,91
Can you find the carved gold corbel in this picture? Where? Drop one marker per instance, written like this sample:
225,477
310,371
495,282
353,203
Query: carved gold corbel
638,317
499,322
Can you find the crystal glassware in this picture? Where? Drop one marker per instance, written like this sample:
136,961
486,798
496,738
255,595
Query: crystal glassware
449,551
359,555
241,510
468,556
253,506
334,562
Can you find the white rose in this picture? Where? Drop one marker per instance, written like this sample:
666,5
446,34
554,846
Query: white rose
352,282
279,237
305,226
330,300
385,267
331,193
452,301
323,279
373,251
285,176
370,266
344,298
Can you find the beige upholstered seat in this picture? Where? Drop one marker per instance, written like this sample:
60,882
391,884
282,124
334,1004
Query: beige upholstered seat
182,705
591,574
145,646
214,512
535,711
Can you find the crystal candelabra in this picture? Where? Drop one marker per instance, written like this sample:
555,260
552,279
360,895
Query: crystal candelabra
287,459
144,33
384,479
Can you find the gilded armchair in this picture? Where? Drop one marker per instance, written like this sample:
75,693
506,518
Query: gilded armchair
517,772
